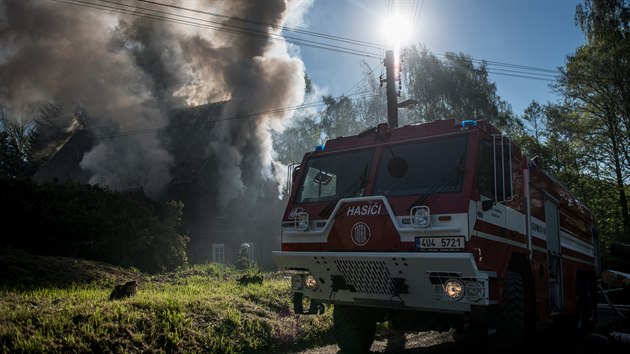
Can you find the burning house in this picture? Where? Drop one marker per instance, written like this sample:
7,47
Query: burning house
148,91
217,231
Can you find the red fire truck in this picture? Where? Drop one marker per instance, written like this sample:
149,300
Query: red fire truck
435,226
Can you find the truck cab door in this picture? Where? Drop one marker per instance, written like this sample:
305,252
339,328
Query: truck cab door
494,180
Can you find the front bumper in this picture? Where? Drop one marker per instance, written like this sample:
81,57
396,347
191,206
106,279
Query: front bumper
389,279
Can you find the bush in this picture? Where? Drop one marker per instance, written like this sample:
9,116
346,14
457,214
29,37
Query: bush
92,222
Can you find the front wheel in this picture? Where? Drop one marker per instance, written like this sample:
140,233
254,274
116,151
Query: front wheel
354,328
511,321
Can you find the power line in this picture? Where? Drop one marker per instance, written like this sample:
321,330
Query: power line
506,70
416,18
263,24
521,76
528,73
187,20
363,79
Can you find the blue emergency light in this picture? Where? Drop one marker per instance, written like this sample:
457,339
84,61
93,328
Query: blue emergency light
469,123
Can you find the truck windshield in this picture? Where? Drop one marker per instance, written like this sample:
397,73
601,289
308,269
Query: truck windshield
431,166
332,176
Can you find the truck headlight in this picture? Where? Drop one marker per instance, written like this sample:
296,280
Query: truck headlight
474,290
302,222
310,282
454,289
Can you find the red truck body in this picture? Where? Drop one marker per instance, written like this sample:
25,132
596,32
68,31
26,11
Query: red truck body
445,218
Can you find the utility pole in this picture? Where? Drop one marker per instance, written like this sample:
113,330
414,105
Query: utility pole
392,95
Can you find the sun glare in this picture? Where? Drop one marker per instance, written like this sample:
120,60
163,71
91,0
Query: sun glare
396,30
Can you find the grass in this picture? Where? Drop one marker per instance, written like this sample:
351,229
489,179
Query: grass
198,309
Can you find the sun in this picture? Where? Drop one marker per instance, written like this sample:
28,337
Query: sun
396,30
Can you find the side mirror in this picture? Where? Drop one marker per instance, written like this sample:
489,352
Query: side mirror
487,204
295,173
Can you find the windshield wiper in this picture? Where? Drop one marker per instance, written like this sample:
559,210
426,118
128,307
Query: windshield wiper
455,175
353,189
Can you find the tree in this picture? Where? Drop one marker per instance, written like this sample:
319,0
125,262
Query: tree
596,80
339,118
534,134
371,105
302,135
17,137
452,88
11,165
119,228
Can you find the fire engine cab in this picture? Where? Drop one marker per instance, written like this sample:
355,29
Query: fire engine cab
435,226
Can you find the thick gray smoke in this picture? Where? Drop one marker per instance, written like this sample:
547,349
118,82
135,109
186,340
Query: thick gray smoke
258,77
127,72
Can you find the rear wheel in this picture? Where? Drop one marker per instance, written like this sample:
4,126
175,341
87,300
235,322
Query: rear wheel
354,328
511,320
586,308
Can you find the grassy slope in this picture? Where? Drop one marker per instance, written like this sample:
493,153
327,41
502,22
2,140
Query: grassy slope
62,305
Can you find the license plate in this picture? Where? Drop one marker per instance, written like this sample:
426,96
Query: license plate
454,243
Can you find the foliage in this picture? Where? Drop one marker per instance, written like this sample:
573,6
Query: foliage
91,222
200,309
17,137
303,136
595,83
371,103
584,141
11,165
452,88
560,140
339,117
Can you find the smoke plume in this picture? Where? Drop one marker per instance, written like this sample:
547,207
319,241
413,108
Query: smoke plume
127,72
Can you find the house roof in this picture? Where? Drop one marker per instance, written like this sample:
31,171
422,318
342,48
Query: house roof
64,164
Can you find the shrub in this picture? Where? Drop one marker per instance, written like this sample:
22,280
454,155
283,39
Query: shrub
92,222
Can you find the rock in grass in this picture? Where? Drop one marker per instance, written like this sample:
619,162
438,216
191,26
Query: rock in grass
250,279
124,290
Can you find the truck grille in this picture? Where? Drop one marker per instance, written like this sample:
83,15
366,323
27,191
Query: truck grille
368,277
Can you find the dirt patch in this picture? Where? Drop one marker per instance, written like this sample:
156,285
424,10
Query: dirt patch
395,342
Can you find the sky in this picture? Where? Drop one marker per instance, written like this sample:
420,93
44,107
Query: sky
532,33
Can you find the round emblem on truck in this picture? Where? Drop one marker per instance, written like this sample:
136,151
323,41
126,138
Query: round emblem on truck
360,233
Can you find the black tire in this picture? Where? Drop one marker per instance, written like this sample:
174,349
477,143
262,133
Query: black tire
586,308
511,318
354,328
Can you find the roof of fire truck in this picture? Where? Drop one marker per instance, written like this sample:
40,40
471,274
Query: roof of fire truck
383,133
